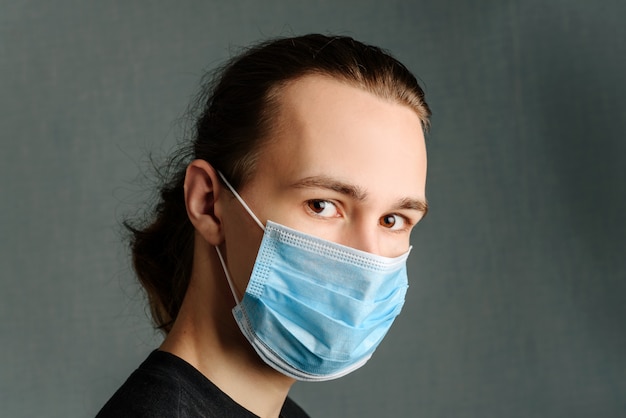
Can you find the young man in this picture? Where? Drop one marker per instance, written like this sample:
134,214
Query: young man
278,250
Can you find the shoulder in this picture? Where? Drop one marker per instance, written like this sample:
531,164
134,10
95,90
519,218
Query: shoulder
165,385
292,410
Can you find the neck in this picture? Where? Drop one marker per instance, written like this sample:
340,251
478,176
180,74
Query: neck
206,335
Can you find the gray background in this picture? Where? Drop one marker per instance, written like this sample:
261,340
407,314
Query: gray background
517,299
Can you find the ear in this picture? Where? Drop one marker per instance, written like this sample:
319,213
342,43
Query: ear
202,190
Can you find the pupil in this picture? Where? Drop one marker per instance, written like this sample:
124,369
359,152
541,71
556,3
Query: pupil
389,220
319,205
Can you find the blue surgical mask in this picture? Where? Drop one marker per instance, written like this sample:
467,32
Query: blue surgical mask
313,309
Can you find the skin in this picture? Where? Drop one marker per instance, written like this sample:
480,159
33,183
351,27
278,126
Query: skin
342,164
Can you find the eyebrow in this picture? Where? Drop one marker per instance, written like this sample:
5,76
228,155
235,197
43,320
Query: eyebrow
413,204
355,192
324,182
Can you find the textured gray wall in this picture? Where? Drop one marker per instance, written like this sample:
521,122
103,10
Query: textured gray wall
517,300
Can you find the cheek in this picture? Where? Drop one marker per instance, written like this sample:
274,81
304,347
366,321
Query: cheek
241,255
282,209
242,238
393,245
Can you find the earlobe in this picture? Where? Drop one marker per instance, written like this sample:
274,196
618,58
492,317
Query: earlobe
202,189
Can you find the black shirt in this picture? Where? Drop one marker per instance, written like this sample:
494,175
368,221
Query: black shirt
167,386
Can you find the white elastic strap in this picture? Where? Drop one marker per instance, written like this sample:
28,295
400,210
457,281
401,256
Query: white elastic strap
228,279
245,206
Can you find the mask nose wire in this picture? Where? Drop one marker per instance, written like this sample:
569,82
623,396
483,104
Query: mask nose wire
219,253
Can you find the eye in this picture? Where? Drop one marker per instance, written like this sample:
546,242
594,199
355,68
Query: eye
323,208
394,222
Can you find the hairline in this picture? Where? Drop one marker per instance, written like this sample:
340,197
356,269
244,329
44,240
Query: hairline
274,100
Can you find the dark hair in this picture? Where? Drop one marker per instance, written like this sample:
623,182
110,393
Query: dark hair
236,109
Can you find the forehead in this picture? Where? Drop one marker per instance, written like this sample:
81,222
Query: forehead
327,127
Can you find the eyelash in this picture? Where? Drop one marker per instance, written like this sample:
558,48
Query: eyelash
308,203
408,223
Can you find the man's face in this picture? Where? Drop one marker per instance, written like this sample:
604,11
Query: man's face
343,165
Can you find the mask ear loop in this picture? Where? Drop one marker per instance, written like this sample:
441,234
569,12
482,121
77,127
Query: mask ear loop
228,278
244,204
219,253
